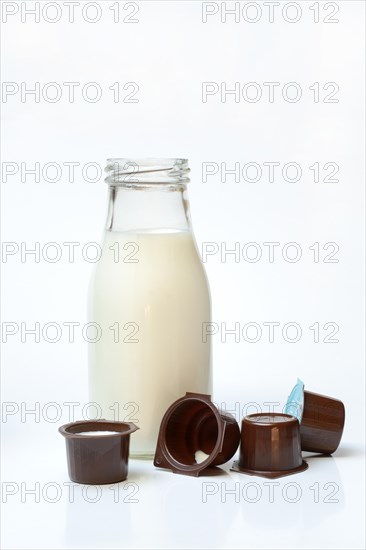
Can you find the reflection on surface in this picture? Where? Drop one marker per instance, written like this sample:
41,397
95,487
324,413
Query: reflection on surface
229,510
298,501
105,523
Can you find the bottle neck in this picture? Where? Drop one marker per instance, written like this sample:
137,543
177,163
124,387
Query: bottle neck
157,209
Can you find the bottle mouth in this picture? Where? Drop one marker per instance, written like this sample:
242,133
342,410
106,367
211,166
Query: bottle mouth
137,173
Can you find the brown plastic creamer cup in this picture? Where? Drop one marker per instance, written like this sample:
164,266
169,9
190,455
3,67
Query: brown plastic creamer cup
97,459
193,423
270,446
321,419
322,423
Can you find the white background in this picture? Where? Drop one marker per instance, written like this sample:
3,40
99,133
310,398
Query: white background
169,53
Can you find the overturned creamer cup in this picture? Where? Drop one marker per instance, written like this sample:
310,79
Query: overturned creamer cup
321,419
97,450
194,435
270,446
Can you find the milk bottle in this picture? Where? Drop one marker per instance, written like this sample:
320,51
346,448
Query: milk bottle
149,298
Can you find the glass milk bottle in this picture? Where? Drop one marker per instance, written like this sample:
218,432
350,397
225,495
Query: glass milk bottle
149,297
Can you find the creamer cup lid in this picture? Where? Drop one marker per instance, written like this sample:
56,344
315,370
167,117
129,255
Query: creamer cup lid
295,401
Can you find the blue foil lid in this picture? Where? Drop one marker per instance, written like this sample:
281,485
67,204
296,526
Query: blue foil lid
295,401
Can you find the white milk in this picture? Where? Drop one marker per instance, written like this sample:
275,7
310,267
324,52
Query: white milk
159,304
98,433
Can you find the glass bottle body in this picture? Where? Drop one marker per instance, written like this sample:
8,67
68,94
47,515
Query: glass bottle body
149,294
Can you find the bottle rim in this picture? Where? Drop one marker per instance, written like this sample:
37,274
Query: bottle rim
145,172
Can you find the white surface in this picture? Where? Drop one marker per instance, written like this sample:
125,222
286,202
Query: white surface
169,53
174,511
